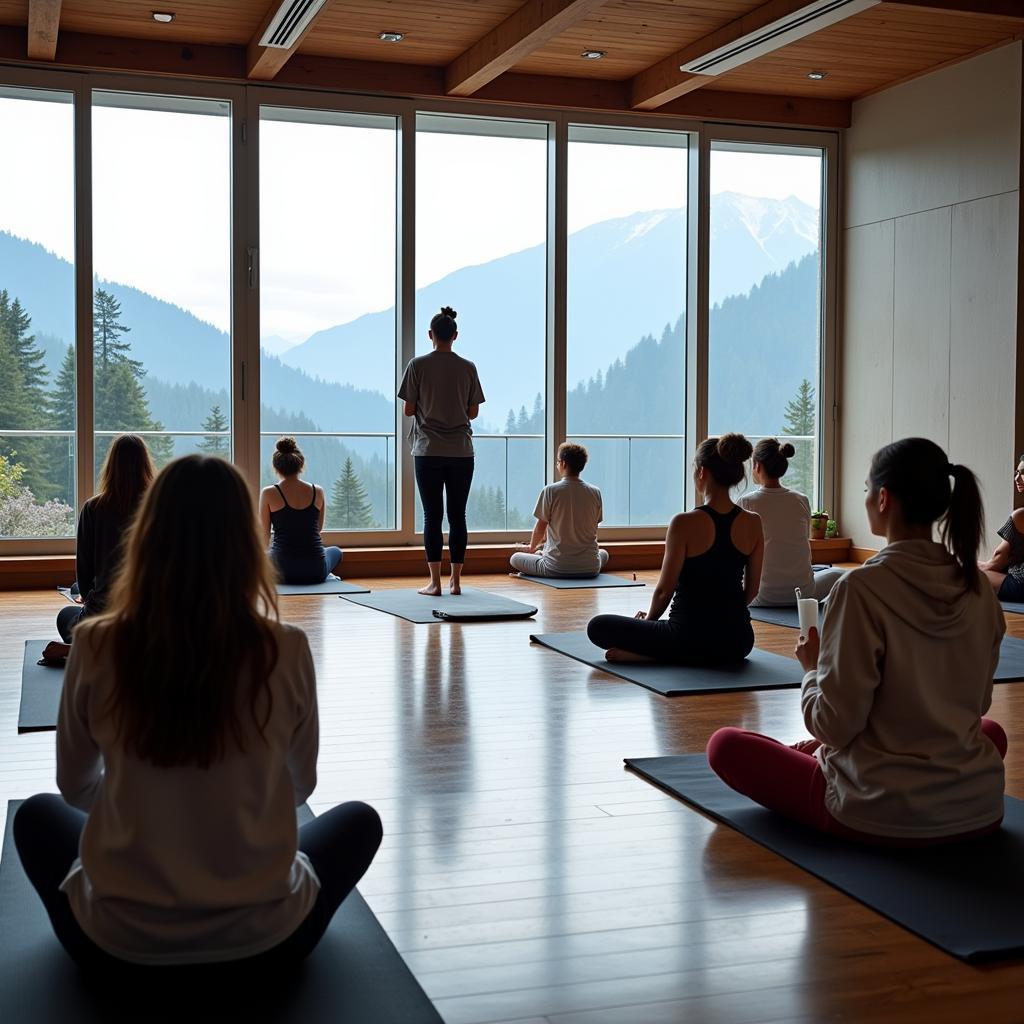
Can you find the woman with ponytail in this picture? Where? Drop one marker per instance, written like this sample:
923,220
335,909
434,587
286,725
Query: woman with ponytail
442,394
710,573
895,692
186,737
786,521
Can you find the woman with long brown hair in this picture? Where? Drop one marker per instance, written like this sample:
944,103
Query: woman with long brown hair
187,735
126,475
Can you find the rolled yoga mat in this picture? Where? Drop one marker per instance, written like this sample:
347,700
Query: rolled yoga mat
958,897
41,686
470,605
582,583
332,585
354,975
783,616
760,670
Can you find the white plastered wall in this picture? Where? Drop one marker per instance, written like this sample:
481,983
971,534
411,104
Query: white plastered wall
929,286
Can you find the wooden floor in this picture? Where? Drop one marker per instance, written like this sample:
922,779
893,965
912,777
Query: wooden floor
526,876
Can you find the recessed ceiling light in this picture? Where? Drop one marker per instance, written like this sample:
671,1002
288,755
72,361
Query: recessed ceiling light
817,76
391,37
592,54
164,17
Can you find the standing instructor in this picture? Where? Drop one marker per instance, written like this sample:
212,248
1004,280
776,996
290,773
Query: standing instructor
442,393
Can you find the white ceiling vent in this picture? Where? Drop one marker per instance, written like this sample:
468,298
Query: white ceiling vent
290,22
804,22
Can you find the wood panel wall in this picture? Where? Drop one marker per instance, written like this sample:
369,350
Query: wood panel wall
930,253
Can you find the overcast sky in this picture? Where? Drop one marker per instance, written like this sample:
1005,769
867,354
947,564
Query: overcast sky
161,203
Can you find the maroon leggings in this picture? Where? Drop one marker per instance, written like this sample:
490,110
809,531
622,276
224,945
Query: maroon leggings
790,780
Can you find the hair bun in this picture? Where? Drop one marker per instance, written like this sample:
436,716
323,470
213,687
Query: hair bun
787,451
287,445
734,448
448,311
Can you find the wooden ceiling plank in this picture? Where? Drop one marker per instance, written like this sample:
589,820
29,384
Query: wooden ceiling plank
534,25
43,25
975,8
264,62
663,81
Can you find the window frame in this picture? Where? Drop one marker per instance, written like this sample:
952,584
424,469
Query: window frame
246,101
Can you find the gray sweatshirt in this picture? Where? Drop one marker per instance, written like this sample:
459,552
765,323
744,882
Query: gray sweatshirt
903,679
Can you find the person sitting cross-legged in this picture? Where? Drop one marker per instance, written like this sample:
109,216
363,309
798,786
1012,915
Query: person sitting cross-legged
564,540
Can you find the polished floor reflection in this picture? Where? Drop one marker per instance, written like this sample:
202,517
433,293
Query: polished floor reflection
526,875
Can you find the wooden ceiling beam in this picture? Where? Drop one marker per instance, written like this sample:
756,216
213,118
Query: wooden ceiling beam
262,63
85,52
531,27
976,8
655,86
43,25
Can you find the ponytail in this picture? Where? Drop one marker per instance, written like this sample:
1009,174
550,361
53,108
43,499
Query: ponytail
961,527
916,472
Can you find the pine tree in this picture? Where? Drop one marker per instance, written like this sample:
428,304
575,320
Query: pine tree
62,398
800,416
108,345
349,507
24,400
523,423
215,443
510,423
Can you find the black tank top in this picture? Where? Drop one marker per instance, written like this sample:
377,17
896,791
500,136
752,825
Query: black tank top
710,587
297,530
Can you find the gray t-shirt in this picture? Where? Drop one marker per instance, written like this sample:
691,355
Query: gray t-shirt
572,509
786,521
443,386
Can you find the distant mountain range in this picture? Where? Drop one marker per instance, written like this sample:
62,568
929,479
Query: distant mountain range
626,281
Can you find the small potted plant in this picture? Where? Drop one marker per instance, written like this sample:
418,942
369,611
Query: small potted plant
832,530
819,524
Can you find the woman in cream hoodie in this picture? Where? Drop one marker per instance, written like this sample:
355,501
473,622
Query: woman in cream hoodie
895,694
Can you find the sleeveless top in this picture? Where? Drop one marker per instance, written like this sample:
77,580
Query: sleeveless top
297,530
1009,532
709,594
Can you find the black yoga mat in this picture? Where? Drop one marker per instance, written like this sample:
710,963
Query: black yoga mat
40,691
470,605
332,585
783,616
760,671
577,583
1017,607
355,975
963,898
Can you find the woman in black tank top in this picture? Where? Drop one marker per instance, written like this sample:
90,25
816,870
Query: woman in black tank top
709,575
293,529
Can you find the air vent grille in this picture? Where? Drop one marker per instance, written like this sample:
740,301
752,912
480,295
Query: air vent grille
804,22
290,21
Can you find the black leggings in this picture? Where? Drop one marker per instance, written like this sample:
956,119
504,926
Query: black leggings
67,619
340,845
669,641
437,477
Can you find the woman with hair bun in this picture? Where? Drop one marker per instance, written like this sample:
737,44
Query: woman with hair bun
895,691
1005,569
442,394
292,516
786,521
710,573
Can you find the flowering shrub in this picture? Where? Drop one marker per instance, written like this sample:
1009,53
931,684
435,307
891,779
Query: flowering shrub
21,516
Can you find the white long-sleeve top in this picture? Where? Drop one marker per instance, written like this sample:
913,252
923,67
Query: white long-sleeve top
904,676
186,865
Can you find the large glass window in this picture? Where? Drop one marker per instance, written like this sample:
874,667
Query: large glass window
481,247
37,315
161,179
328,188
626,355
765,294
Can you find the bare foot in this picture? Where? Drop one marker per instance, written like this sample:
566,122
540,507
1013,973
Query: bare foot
455,588
516,575
619,655
430,590
56,651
